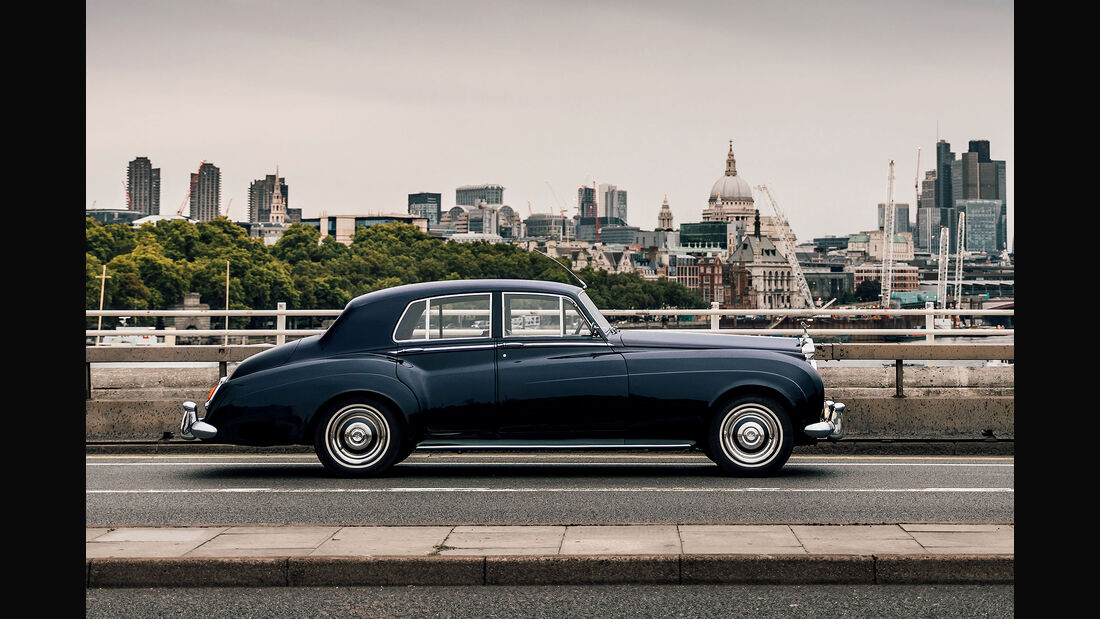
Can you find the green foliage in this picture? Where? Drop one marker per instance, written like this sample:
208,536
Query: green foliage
868,290
155,266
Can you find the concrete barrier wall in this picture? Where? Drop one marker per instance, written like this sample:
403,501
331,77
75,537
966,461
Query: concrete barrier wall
942,403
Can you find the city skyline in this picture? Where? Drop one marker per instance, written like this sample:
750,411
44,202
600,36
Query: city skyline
817,101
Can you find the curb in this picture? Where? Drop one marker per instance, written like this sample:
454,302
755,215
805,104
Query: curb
549,570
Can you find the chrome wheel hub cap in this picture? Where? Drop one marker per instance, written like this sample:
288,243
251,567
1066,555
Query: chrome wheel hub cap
357,436
751,435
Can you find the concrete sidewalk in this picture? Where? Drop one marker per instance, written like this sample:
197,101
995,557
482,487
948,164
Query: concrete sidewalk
300,555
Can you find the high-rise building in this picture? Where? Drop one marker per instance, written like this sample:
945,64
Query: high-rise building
926,237
207,193
974,176
901,217
586,201
143,186
612,201
426,205
944,159
469,195
260,194
983,224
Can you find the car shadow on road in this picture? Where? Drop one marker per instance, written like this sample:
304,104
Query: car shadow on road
473,473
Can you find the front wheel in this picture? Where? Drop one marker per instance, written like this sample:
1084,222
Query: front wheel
359,438
751,436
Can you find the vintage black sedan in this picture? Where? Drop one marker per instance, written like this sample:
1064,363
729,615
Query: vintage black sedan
517,364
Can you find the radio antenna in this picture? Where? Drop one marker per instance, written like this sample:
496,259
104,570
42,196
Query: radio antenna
584,286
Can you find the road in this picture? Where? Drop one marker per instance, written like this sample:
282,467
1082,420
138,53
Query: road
480,488
560,601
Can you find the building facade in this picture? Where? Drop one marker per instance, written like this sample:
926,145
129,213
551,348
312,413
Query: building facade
427,205
612,202
586,201
984,224
143,187
260,194
206,192
470,195
901,216
343,227
664,218
974,176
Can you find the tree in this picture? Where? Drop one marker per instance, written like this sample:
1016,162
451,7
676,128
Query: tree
868,290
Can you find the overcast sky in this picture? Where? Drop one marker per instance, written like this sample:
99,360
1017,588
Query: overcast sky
361,103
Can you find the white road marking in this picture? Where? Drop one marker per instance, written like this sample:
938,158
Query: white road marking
510,490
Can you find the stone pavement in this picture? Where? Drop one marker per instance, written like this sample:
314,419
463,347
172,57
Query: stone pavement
292,555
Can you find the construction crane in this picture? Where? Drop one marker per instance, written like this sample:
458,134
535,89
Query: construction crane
788,248
888,241
227,206
596,208
960,254
941,279
194,182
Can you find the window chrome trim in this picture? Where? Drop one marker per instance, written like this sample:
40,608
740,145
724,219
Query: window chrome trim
428,305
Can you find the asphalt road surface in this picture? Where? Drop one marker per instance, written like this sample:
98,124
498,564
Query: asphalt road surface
602,601
480,488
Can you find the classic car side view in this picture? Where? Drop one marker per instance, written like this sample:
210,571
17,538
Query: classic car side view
517,364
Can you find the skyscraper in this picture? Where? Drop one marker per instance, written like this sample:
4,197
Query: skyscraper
974,176
926,237
426,205
260,194
586,201
206,194
143,186
612,201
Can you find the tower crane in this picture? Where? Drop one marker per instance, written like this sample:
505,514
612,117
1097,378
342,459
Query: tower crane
788,248
941,279
959,255
888,241
194,182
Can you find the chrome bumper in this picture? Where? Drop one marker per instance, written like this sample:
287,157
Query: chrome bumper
831,425
191,427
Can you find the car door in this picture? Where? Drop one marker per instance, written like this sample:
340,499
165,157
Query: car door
447,357
557,377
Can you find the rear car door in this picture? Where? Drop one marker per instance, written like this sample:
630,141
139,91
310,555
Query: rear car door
447,358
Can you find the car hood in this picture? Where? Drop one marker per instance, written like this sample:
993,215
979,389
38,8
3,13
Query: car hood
672,339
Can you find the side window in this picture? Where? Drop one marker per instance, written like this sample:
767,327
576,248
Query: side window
462,316
531,315
527,315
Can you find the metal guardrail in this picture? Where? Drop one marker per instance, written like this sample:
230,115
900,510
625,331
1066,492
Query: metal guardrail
224,355
929,331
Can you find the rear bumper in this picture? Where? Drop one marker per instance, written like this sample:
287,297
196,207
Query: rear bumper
831,425
191,427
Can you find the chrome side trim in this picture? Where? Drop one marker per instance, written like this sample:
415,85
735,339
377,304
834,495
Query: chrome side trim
424,349
487,446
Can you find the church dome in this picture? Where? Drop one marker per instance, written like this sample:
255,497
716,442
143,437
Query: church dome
730,186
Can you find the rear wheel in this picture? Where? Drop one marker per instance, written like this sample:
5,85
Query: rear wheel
358,438
751,436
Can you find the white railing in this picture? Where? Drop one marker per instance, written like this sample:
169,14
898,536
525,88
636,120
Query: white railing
929,331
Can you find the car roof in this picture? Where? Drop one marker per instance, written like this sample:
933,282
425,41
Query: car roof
459,286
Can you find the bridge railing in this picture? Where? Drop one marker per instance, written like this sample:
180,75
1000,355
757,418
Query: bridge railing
929,330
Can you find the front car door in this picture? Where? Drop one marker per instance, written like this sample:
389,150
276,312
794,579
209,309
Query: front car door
557,377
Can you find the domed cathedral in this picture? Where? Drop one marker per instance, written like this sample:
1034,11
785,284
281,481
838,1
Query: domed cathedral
731,200
730,197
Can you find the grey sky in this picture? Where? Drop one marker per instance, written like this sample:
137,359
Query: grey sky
362,103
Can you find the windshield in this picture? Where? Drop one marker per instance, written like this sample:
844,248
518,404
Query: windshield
601,322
